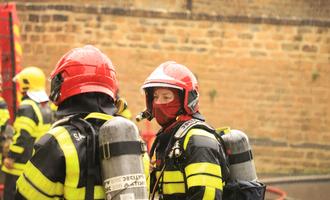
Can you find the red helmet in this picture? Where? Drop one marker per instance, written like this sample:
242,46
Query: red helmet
173,75
83,70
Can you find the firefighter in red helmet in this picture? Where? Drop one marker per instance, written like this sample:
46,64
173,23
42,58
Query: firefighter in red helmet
187,165
84,87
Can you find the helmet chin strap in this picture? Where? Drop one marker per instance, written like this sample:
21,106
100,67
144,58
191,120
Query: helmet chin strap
181,111
56,84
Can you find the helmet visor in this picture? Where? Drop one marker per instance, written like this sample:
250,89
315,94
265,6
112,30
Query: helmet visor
149,85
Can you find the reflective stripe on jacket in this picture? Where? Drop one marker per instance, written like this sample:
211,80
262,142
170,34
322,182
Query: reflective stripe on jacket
4,117
196,174
4,114
32,121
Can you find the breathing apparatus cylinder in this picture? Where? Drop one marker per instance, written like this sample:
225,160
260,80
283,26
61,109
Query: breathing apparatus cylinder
122,168
240,156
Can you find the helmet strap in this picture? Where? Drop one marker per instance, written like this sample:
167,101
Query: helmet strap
56,84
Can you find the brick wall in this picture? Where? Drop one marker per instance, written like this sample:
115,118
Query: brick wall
265,74
294,9
306,9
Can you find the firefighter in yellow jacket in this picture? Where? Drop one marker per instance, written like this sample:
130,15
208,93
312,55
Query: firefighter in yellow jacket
84,87
187,166
32,121
4,115
4,118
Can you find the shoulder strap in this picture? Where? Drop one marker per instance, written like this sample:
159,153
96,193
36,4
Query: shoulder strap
85,128
97,115
193,123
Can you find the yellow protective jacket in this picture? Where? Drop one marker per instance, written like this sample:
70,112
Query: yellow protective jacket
58,169
4,114
194,172
32,121
4,117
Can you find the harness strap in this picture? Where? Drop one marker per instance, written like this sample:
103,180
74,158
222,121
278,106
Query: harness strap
240,157
121,148
87,129
155,187
193,123
179,134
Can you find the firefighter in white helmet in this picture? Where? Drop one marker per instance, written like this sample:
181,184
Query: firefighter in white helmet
33,119
186,167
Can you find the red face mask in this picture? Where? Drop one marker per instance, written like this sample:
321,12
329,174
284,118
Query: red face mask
167,112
